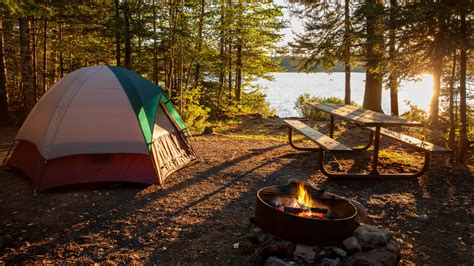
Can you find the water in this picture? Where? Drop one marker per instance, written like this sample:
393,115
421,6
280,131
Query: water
286,87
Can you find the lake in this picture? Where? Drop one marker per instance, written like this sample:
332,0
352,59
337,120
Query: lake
286,87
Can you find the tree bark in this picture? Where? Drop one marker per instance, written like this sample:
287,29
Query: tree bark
238,75
128,36
29,97
437,67
4,115
452,125
155,47
45,51
347,53
33,50
375,49
221,55
462,89
117,33
61,58
197,74
229,79
393,77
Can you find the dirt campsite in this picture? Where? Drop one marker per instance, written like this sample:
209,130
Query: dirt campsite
203,210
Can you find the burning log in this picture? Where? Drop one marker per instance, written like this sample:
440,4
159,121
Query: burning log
293,210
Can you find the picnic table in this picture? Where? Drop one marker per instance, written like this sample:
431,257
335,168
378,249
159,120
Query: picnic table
373,122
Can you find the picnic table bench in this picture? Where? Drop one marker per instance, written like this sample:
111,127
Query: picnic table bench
372,121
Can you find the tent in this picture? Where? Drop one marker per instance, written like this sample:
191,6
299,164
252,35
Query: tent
102,124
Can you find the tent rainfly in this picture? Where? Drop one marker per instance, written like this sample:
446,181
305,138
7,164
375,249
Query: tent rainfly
102,124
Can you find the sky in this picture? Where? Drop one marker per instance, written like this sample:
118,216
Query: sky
294,24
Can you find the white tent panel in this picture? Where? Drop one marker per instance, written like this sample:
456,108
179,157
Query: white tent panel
38,121
98,119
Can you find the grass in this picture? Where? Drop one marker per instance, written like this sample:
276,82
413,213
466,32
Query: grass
398,157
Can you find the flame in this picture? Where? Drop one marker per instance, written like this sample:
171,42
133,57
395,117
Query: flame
305,201
304,198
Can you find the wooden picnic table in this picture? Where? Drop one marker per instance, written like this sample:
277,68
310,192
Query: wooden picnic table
376,123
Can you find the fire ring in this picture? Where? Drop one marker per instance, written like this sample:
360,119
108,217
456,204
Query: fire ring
323,230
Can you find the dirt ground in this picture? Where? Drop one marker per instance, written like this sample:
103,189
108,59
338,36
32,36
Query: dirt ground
204,209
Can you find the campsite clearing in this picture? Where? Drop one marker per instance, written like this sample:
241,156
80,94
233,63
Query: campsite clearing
204,209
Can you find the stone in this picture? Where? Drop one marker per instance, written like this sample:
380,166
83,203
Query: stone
329,262
305,253
275,261
256,235
236,245
423,218
375,257
274,247
394,247
371,237
351,244
208,130
339,252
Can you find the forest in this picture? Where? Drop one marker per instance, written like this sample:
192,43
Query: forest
206,54
132,132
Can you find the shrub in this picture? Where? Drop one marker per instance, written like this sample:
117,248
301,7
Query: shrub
307,111
194,115
255,102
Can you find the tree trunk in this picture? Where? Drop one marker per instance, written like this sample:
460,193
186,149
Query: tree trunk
462,89
434,104
229,79
221,55
197,74
229,51
29,97
393,77
373,74
347,51
45,46
452,125
117,33
180,75
33,49
155,47
128,36
238,75
61,59
4,115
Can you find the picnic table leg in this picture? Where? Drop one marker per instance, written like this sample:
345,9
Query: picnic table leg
375,158
367,146
331,127
290,141
371,174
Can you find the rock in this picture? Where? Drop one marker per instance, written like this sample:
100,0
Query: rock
256,235
329,262
351,244
375,257
340,252
274,247
371,237
305,253
423,218
275,261
394,247
236,245
208,130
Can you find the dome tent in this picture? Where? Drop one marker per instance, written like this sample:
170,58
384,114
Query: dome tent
101,124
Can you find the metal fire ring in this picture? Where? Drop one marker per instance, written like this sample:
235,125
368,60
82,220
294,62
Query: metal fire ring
320,232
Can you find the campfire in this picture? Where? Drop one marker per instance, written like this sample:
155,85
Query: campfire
303,215
302,205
